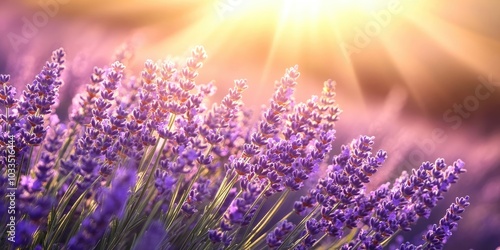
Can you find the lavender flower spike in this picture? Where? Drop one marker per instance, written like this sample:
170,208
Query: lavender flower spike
439,234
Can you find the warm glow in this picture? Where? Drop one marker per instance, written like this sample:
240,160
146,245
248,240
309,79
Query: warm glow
341,11
298,29
361,43
305,7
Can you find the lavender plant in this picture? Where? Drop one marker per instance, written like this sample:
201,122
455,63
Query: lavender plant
147,162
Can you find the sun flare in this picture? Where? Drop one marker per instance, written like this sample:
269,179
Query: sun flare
354,41
301,29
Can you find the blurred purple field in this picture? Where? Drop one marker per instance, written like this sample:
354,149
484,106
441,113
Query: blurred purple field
422,78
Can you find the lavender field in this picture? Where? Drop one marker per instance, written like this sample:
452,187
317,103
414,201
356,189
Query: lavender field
249,124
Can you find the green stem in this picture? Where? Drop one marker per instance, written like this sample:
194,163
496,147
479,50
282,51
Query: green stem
320,239
63,220
265,220
386,241
297,242
137,206
184,196
65,146
207,221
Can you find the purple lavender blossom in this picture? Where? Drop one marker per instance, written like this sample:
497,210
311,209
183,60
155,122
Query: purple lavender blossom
274,238
437,237
152,238
94,226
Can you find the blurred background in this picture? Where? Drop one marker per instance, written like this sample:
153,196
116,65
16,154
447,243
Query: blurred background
422,76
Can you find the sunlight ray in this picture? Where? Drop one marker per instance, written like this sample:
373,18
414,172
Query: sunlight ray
458,41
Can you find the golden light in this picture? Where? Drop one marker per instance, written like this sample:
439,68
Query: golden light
311,9
368,46
341,11
308,32
313,22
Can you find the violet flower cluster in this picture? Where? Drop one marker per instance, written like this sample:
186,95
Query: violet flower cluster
147,162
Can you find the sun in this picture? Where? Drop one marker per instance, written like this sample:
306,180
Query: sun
315,7
301,24
307,10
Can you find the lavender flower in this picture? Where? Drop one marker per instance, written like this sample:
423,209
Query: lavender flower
152,238
274,239
437,237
